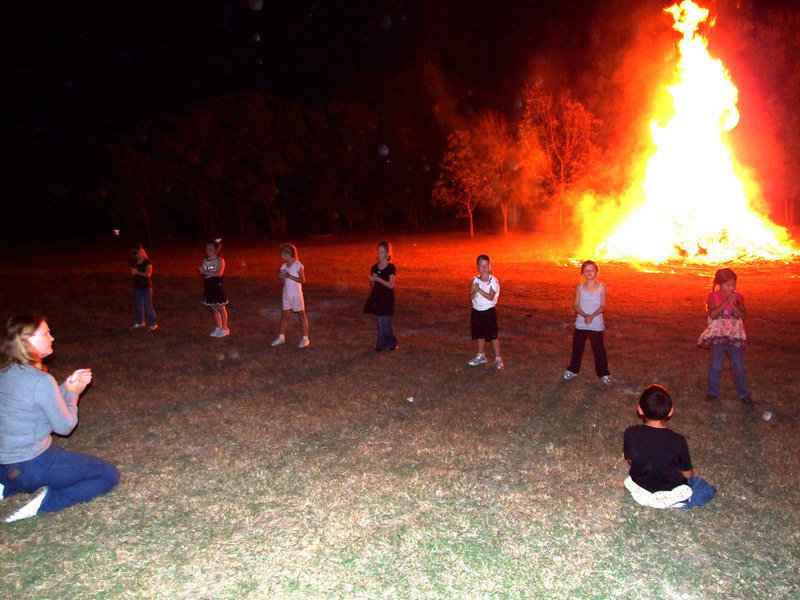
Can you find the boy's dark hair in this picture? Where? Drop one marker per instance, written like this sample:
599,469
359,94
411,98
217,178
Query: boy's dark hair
655,402
483,257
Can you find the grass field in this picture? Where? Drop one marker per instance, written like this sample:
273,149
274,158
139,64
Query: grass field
259,472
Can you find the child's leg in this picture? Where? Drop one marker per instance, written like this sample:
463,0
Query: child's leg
599,350
303,322
391,340
496,347
578,342
139,302
149,311
379,339
385,336
284,320
223,317
702,492
715,369
217,316
736,356
481,346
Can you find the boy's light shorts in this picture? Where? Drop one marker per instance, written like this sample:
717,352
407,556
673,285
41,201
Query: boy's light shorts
674,498
294,303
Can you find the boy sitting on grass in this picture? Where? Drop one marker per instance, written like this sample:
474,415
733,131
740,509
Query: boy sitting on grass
661,474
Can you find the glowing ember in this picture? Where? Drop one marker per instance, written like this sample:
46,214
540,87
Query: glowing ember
696,207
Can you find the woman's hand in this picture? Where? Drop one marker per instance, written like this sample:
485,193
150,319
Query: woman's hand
78,381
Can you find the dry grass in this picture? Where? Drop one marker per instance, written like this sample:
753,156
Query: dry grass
258,472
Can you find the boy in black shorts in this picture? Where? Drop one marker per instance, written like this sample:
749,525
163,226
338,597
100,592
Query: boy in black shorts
483,292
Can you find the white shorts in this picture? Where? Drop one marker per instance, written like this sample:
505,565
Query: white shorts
293,303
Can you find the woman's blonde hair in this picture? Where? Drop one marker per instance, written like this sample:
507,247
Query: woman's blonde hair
16,347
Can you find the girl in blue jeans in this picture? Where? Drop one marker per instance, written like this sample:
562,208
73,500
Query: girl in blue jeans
142,271
725,334
32,407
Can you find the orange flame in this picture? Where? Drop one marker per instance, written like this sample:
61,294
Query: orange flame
696,207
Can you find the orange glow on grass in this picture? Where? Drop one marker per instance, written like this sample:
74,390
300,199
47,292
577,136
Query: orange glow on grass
696,205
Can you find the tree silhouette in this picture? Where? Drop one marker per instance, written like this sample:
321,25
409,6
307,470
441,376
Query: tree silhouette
463,177
565,130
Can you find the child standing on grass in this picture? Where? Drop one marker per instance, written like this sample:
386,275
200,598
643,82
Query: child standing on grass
661,473
211,269
725,334
293,277
142,271
381,297
484,291
589,302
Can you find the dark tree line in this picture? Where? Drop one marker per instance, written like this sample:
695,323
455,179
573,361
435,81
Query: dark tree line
389,149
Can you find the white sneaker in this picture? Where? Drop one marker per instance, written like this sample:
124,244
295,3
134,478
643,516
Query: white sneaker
569,375
29,509
480,359
606,379
152,327
137,326
304,343
498,363
216,332
279,340
224,333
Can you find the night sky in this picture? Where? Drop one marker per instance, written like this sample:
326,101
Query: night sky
79,74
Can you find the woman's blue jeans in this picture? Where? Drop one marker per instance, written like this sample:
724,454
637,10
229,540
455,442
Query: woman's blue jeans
144,305
70,476
736,356
386,337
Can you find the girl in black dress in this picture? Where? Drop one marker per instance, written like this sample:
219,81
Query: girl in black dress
211,270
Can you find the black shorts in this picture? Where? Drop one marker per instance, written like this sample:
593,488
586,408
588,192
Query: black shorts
484,324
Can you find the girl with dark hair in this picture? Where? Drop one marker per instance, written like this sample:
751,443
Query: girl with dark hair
725,334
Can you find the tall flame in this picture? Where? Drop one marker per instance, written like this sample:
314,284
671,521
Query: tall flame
696,207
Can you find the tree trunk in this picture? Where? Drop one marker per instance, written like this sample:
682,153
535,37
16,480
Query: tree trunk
471,228
504,208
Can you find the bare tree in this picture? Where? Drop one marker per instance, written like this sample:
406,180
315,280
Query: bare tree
565,130
497,153
463,179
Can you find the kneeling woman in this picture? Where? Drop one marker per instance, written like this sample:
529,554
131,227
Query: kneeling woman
32,407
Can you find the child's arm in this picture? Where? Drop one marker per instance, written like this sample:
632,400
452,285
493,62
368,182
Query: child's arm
204,271
589,318
488,295
738,305
576,301
716,310
389,284
300,278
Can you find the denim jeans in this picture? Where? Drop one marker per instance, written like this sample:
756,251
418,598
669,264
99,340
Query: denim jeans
736,356
144,305
598,349
386,337
702,492
70,476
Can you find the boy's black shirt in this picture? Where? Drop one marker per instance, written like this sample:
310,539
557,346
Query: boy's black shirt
657,457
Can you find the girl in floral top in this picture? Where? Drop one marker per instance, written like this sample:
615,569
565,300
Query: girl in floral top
725,333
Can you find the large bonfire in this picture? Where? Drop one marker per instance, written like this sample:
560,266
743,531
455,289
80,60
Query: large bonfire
695,206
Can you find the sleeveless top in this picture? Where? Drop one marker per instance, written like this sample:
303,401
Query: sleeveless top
590,302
